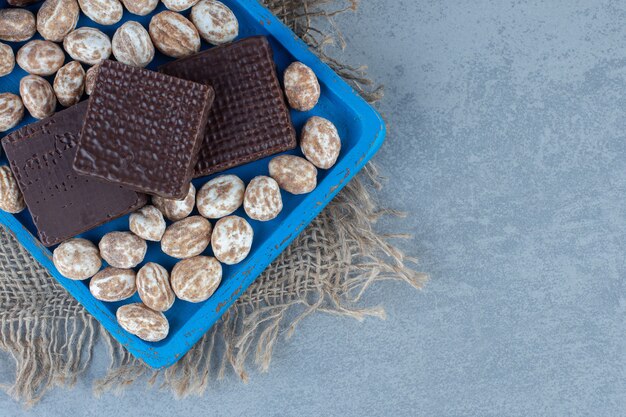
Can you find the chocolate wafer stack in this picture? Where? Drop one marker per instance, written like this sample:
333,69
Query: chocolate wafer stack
149,133
62,203
249,119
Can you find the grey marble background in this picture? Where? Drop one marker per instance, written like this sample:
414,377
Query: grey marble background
507,148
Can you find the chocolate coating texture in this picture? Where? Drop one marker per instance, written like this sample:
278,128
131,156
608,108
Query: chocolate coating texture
249,119
143,130
62,202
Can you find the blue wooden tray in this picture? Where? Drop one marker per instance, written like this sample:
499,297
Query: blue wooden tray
362,131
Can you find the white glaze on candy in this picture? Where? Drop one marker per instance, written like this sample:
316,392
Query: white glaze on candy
113,284
122,249
153,285
232,240
187,238
196,279
77,259
221,196
263,201
147,223
215,22
143,322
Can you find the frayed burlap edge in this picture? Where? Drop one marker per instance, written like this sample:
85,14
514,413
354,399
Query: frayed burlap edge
327,269
44,330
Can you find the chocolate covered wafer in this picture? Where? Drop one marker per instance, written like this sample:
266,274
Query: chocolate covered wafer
143,130
249,119
61,202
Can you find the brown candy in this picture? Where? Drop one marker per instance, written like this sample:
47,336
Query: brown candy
7,59
17,25
122,249
147,223
187,238
113,284
174,35
196,279
77,259
293,174
179,5
320,142
11,111
174,209
40,57
90,79
146,324
221,196
105,12
57,18
11,199
263,201
153,285
69,83
140,7
215,22
37,96
301,87
132,45
232,240
87,45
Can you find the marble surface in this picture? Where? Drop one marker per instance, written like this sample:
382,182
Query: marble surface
508,149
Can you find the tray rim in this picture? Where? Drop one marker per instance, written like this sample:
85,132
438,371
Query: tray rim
194,328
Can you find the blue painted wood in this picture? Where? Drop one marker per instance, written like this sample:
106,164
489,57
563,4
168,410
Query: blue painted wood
362,131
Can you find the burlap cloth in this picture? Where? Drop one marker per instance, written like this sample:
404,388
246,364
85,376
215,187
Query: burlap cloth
50,337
